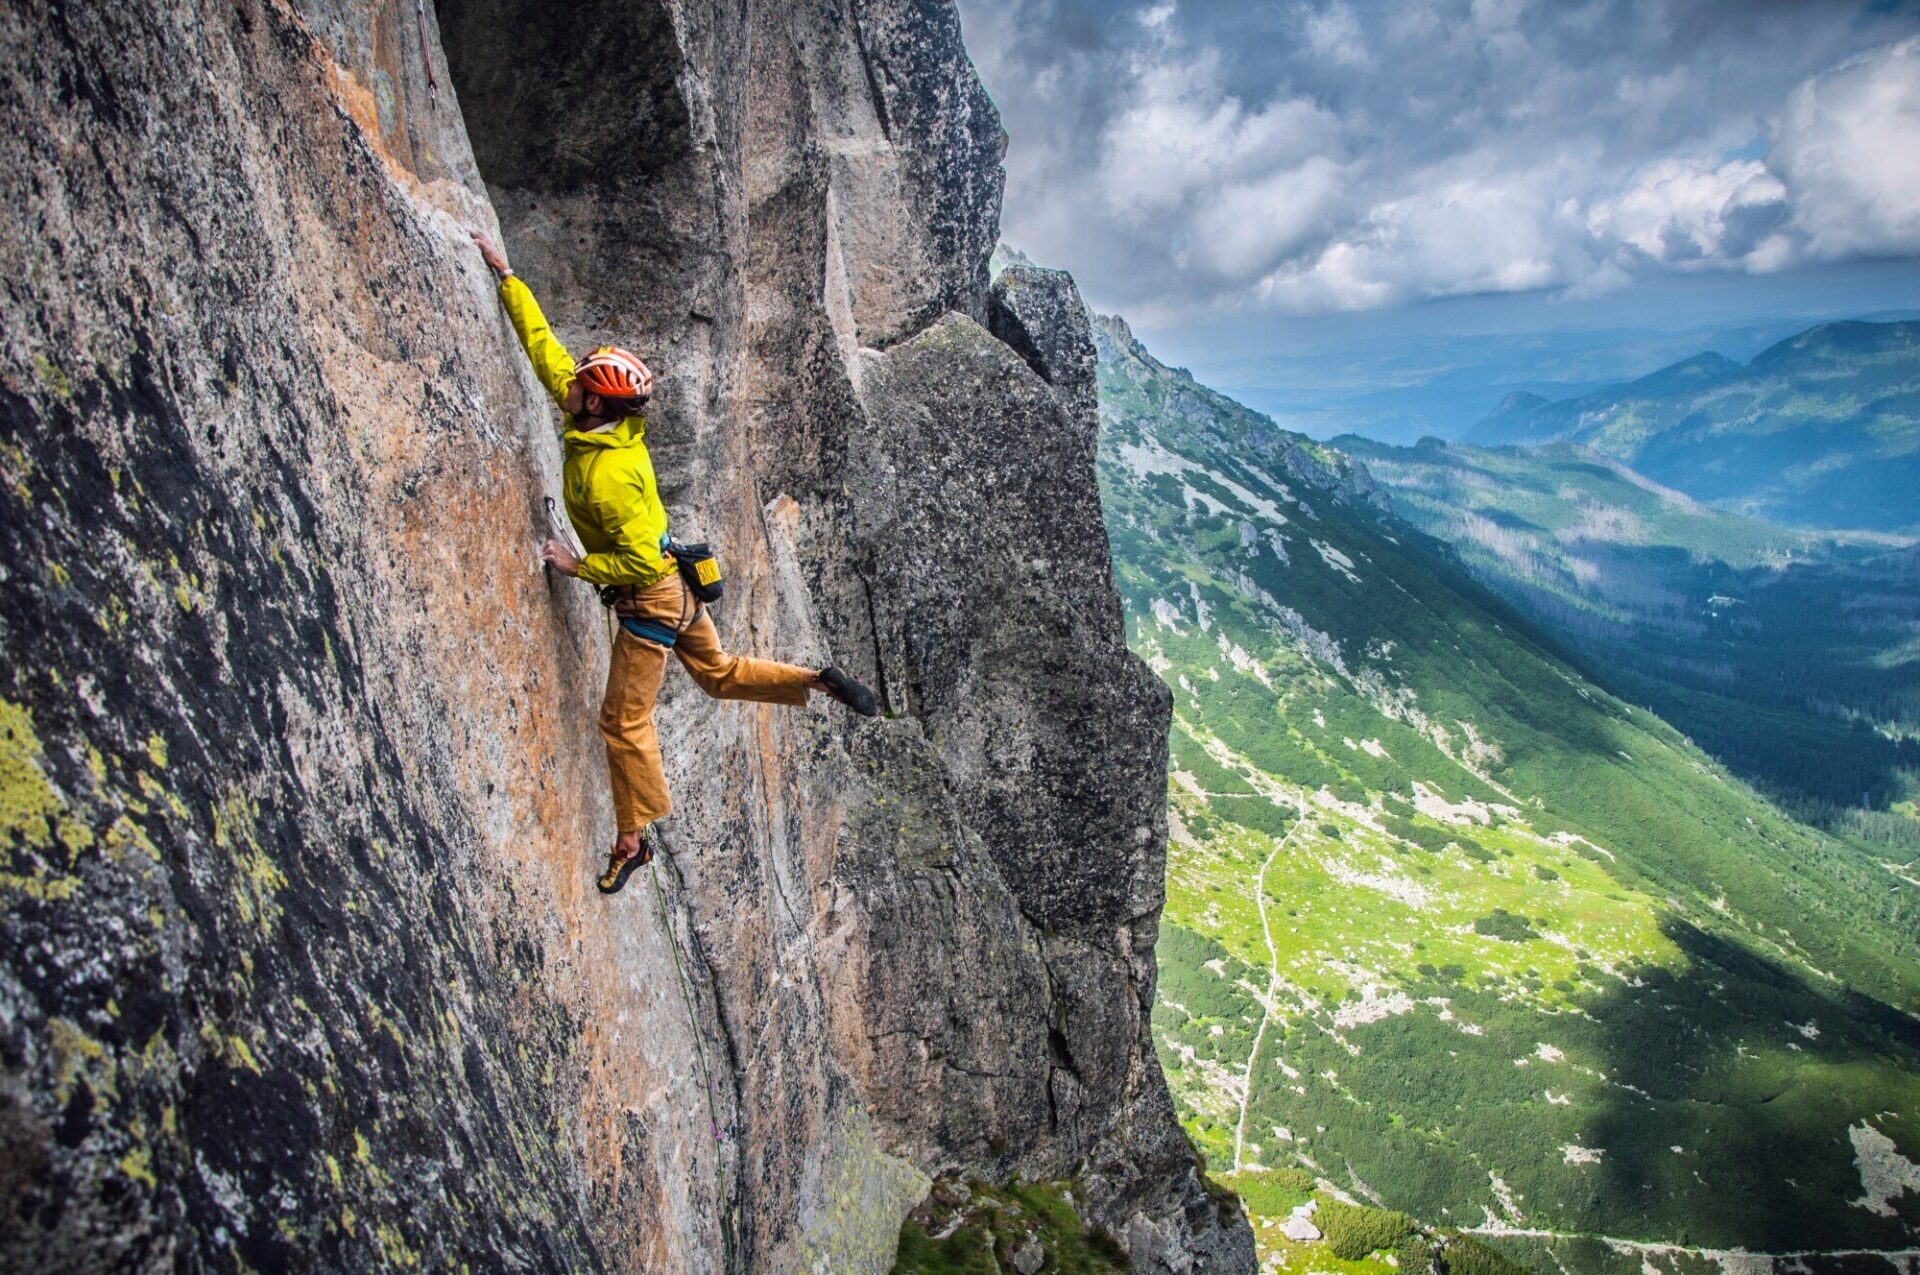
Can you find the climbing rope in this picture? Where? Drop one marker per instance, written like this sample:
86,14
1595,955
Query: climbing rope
700,1056
686,996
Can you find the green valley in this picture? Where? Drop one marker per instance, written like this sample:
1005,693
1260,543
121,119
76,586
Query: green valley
1462,953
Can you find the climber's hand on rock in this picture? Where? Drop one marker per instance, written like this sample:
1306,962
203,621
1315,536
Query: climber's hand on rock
496,261
560,558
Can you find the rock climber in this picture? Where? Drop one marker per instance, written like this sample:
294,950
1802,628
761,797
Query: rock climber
615,507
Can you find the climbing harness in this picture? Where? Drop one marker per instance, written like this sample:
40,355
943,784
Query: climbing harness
654,632
727,1218
645,628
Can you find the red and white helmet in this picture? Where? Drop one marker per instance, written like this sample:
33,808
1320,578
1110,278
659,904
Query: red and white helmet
612,372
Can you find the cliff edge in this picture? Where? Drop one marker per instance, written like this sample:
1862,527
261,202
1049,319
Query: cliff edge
302,967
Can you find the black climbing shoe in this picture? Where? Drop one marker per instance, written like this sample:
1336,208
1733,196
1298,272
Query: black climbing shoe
619,869
848,691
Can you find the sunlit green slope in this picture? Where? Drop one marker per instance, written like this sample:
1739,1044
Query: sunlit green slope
1454,931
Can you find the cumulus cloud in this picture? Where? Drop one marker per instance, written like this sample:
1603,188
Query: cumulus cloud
1695,212
1455,234
1177,139
1250,228
1848,147
1188,156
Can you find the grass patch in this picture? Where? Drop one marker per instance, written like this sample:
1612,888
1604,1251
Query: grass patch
1273,1192
982,1227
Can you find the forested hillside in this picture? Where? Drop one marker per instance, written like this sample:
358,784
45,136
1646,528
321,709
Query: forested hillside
1791,656
1452,931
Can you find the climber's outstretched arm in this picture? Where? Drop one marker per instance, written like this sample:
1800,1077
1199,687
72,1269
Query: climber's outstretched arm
551,362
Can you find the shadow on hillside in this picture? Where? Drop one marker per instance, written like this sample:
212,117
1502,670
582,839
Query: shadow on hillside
1755,1075
1763,680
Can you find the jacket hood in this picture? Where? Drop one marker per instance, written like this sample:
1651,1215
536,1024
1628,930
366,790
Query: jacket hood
628,433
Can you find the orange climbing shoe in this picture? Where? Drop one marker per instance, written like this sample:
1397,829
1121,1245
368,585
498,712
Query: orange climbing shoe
619,868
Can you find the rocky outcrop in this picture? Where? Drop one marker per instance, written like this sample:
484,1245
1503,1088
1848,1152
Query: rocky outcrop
1000,633
302,801
1039,313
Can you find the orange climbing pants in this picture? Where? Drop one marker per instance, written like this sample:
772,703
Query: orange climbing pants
633,683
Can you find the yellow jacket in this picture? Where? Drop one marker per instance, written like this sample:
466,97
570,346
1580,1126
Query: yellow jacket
608,478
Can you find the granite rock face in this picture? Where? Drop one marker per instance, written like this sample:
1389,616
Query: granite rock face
302,966
1039,313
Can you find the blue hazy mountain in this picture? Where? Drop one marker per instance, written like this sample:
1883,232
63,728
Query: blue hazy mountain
1821,429
1342,379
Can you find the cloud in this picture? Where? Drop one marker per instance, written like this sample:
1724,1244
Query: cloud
1334,35
1248,229
1235,155
1692,212
1176,140
1452,234
1848,147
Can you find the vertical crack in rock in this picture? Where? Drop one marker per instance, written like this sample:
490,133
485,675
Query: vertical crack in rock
303,798
722,1089
899,703
874,91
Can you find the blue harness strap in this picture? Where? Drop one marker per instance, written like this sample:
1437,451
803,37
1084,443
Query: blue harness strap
649,631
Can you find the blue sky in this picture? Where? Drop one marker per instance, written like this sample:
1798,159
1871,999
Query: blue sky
1235,176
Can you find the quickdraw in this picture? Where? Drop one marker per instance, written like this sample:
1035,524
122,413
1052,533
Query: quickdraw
426,54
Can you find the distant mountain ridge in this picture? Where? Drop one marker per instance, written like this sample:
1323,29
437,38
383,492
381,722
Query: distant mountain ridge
1228,423
1819,430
